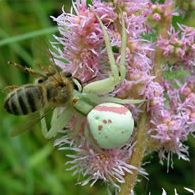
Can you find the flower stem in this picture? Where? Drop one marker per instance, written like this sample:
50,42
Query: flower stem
137,155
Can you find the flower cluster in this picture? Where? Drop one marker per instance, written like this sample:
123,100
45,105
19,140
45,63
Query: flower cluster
179,46
170,104
94,164
159,13
82,39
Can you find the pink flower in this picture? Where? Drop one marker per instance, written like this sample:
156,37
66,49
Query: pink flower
94,163
134,6
159,13
81,36
179,47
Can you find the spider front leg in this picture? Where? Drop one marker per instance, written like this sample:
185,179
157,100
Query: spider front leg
60,119
118,71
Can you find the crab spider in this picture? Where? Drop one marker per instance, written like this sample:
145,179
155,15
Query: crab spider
91,95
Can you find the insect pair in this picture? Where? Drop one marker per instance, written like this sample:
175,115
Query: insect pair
57,89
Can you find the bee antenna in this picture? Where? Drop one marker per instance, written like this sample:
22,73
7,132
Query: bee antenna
19,66
27,70
52,58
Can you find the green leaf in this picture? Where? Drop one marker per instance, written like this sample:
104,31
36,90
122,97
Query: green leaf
29,35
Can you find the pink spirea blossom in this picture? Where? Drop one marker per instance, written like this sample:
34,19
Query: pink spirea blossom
94,164
82,38
179,47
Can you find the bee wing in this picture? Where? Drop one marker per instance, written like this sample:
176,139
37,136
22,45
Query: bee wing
40,52
31,121
42,55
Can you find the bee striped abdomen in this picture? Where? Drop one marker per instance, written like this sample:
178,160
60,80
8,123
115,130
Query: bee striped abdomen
25,100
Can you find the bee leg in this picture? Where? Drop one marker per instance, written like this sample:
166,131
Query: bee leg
10,88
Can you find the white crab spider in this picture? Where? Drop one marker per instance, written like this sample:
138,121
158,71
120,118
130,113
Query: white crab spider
85,101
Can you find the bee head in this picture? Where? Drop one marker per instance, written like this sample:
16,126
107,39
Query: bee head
76,82
66,74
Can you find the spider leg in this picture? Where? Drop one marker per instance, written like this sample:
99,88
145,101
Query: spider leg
118,72
95,99
122,63
113,65
59,120
81,104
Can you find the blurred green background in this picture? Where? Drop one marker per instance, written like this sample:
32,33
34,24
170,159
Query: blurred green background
28,163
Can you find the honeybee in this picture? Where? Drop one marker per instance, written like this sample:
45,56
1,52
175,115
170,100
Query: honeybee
51,89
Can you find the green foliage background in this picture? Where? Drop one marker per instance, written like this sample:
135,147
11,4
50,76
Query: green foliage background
28,163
